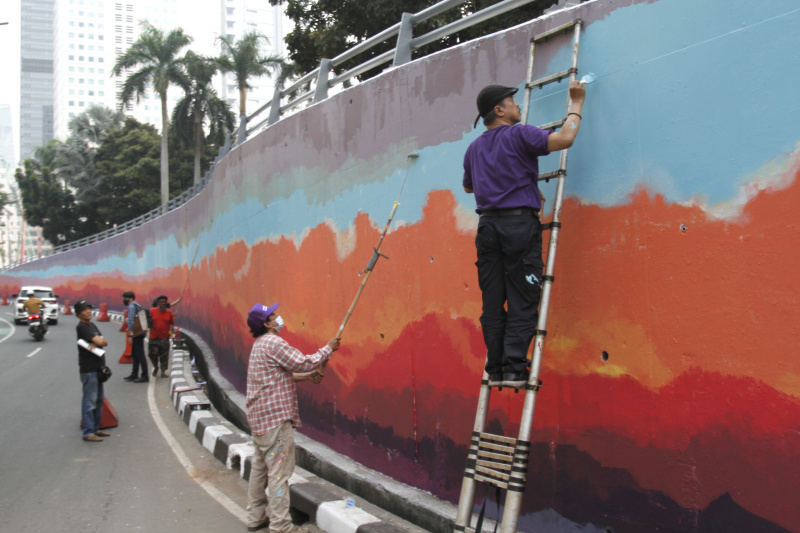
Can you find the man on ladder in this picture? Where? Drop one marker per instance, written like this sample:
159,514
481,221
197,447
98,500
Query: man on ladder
501,168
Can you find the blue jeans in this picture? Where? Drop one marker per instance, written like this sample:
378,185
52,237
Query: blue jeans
92,403
139,359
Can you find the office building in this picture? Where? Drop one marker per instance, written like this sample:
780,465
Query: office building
90,34
36,76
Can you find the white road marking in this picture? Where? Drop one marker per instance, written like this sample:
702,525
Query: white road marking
212,491
37,350
12,326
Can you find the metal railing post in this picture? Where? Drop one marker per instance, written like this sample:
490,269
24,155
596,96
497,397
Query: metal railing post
275,110
227,146
321,92
402,52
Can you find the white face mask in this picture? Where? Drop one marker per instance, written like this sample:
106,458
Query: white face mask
279,321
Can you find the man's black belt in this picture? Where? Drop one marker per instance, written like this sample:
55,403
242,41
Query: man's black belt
509,212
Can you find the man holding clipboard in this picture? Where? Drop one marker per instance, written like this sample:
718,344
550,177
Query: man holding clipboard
91,360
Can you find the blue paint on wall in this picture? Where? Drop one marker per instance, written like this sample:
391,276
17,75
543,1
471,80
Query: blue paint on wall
693,122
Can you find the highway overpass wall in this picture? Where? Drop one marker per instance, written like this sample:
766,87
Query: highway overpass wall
671,393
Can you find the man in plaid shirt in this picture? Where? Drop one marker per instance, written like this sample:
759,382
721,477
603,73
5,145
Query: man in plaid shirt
272,414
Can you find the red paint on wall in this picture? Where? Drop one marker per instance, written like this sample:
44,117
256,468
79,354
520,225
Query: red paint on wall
700,394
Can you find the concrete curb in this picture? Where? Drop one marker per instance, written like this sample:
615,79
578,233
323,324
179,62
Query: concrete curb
235,450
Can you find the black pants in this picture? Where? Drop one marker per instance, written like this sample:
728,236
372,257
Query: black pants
137,353
509,271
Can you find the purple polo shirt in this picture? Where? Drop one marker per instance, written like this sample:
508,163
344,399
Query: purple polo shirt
501,166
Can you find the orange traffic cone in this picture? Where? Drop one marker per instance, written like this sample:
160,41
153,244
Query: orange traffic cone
127,355
5,299
109,418
67,308
102,316
124,326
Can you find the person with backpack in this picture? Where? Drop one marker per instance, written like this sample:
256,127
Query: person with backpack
160,333
137,329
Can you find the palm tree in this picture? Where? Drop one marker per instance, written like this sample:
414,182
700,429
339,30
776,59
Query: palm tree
245,60
155,54
46,155
201,104
92,124
75,161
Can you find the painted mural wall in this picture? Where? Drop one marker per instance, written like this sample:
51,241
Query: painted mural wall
671,398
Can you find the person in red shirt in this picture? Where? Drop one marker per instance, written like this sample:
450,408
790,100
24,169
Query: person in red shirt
160,333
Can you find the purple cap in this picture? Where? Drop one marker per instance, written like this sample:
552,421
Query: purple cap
259,314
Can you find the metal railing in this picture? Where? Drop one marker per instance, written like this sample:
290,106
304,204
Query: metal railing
402,53
405,45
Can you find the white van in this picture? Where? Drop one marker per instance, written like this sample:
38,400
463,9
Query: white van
46,295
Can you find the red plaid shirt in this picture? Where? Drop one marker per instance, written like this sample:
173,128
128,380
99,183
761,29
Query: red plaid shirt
271,391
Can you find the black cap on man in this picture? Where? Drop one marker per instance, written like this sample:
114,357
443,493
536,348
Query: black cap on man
490,96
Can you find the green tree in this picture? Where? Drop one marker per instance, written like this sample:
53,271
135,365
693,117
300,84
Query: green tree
201,106
326,28
76,156
128,160
126,164
245,60
91,125
156,56
46,202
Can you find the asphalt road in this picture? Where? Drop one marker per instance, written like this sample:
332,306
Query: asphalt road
136,480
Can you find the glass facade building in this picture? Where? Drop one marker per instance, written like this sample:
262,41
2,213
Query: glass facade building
36,75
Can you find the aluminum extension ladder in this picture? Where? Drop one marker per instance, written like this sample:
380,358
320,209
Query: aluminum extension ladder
495,459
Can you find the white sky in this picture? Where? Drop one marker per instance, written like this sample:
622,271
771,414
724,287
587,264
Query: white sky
9,63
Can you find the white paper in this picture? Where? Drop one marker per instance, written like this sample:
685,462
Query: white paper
94,349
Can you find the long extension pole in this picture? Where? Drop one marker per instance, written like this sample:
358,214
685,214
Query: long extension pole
190,270
376,254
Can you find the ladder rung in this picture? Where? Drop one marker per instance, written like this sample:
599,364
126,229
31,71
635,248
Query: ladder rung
497,447
553,125
546,176
554,31
495,482
499,438
492,472
558,76
492,465
497,456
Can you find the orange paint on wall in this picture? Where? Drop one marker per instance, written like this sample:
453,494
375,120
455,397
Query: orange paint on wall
700,328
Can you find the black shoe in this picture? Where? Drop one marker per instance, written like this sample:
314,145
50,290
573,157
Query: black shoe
130,378
515,380
495,379
143,379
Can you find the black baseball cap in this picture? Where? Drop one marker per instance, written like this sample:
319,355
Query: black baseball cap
490,96
80,305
